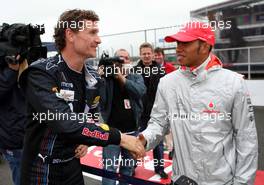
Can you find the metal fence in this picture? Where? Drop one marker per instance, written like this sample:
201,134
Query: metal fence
245,60
133,39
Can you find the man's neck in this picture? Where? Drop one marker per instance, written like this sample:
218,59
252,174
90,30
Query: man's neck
201,66
74,61
201,61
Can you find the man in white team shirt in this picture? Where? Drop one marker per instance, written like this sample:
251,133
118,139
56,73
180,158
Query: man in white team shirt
210,114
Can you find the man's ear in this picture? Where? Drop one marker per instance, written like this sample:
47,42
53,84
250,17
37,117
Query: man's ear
208,46
205,47
69,34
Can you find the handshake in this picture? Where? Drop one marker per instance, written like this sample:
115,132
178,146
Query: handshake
134,144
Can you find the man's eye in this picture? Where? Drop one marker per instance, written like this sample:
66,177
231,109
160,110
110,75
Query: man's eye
93,31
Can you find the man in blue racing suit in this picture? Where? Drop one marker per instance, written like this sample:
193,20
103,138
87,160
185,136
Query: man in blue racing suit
62,95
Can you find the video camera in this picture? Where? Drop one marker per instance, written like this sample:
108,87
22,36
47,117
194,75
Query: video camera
109,63
20,39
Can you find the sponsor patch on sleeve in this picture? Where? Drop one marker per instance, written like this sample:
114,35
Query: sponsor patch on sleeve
95,134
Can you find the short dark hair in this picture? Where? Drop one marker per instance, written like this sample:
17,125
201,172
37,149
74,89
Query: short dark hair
145,45
159,50
69,17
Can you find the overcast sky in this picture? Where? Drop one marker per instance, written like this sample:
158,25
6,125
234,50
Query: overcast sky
115,15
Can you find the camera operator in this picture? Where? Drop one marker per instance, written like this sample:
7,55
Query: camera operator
121,107
12,116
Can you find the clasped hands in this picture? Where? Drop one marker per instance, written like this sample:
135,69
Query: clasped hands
134,144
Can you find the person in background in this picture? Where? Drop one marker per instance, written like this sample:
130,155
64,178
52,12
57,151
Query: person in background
159,57
121,107
151,73
12,116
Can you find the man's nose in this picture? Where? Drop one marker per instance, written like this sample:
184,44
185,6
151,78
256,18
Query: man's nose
98,40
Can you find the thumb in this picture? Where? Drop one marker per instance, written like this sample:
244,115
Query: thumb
142,139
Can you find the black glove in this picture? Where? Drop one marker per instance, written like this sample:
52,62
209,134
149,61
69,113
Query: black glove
183,180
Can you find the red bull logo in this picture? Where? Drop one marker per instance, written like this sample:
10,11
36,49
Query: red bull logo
95,134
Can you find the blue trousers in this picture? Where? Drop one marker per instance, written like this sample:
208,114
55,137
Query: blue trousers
158,157
13,158
111,162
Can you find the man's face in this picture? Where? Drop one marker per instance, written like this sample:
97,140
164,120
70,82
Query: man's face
86,40
125,56
146,55
159,57
188,53
126,66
